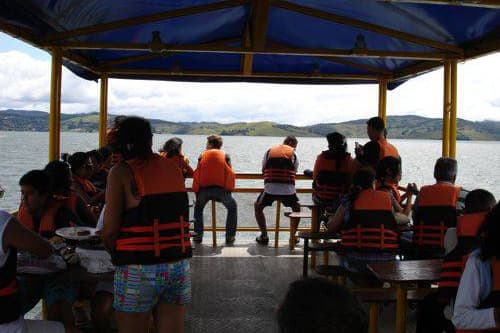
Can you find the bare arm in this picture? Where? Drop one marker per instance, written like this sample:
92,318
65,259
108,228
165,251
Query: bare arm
84,213
336,221
17,236
115,205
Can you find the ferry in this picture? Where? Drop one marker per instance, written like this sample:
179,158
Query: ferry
318,42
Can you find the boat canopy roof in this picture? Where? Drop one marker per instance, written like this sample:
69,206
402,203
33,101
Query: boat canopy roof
274,41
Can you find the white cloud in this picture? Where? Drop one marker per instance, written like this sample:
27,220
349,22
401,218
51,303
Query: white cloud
25,82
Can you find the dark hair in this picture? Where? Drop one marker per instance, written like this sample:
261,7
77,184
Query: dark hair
319,306
134,138
388,163
490,232
478,201
59,174
94,154
78,160
214,140
376,123
291,140
105,152
337,146
38,179
172,147
445,169
362,180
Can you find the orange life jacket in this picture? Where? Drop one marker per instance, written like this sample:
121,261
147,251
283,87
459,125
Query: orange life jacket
391,187
386,149
213,170
454,262
374,228
331,182
10,309
279,167
493,299
435,214
157,230
48,225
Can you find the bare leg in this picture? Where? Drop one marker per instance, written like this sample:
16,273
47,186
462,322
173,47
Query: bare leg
61,311
169,318
133,322
261,219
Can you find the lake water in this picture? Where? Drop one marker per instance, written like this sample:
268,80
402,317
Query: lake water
478,161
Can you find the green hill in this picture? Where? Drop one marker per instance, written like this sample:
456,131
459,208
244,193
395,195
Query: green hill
404,127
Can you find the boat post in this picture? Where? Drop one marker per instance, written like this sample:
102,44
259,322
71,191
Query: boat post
453,108
103,110
55,105
446,109
382,100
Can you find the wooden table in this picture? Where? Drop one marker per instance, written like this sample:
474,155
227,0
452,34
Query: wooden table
401,273
314,223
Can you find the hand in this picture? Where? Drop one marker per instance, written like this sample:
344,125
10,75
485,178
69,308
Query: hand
69,256
412,188
358,150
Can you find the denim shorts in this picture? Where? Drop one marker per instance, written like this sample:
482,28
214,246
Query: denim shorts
138,288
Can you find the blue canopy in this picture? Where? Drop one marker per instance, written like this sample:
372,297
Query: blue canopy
308,41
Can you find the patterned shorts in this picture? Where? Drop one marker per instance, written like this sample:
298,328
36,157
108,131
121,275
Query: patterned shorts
138,288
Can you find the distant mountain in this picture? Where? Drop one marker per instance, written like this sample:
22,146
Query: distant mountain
401,127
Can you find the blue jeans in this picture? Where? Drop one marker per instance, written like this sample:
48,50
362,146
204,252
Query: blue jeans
220,195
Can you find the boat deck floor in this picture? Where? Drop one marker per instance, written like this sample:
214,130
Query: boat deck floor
239,288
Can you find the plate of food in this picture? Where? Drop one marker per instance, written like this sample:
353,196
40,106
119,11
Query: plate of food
77,233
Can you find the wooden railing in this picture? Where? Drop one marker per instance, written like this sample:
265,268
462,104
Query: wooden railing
254,176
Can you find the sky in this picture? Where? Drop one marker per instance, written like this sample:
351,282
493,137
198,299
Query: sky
25,82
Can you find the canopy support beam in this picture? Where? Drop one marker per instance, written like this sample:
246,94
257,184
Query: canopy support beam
446,109
144,19
55,105
382,100
472,3
255,34
453,108
368,26
103,110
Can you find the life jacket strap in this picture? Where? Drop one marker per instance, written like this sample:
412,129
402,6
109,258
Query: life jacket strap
9,289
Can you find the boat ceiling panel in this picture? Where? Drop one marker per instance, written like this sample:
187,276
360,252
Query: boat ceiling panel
306,41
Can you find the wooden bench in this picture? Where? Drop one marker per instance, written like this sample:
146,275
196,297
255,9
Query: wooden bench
316,247
294,222
375,297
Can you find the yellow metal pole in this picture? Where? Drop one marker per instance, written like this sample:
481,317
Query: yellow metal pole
382,100
55,105
103,110
214,224
453,109
446,109
277,223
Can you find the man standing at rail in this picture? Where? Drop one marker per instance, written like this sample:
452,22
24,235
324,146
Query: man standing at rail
378,147
214,179
279,166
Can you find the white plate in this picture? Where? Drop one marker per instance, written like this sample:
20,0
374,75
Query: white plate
72,233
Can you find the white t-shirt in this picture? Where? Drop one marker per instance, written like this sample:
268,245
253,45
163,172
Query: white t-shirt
4,220
21,325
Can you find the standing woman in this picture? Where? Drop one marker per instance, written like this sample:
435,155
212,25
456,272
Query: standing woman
146,229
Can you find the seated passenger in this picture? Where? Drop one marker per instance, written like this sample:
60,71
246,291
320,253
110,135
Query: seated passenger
332,173
173,149
371,153
388,177
14,237
40,213
279,167
366,221
98,159
434,315
436,209
318,306
214,179
477,305
146,229
60,187
82,171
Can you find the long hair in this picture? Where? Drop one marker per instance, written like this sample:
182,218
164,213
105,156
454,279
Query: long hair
388,163
337,146
134,138
490,232
362,180
59,173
